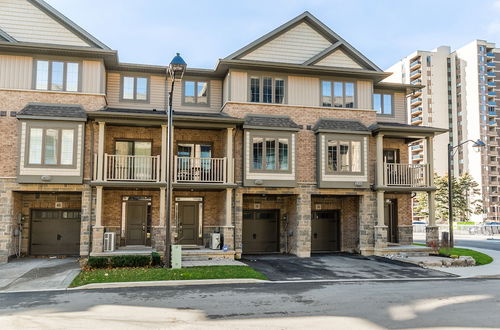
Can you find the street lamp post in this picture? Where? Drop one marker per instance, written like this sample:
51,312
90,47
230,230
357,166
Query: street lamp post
451,152
176,70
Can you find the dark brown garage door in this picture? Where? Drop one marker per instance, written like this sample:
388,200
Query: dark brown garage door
325,231
55,232
260,231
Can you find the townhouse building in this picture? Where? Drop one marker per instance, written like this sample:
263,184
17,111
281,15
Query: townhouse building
460,95
292,144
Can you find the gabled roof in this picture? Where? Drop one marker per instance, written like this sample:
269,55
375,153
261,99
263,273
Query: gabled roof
67,23
52,112
336,42
7,37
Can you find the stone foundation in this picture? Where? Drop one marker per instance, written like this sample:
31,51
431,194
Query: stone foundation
405,235
380,237
159,237
97,239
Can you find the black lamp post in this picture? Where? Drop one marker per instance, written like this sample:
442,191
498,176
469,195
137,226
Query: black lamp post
176,70
451,152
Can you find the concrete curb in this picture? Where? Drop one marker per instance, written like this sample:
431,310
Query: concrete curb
167,283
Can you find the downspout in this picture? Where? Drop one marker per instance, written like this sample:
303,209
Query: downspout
91,174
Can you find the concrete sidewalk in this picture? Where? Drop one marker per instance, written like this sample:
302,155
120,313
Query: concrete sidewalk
38,274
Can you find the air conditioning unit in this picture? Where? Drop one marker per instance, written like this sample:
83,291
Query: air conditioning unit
215,241
109,242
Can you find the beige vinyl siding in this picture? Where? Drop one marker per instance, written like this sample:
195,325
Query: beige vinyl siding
25,22
339,59
303,91
294,46
399,106
238,81
365,94
156,93
215,97
16,72
92,77
225,89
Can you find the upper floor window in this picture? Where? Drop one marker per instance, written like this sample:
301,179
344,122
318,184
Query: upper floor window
267,90
343,156
195,92
270,153
339,94
57,75
382,103
51,146
135,88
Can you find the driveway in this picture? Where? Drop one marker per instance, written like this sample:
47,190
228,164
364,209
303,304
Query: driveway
336,267
33,274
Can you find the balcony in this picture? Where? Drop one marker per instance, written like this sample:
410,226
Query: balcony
490,54
416,110
416,120
417,157
490,64
492,93
492,113
416,82
492,123
131,168
416,100
492,103
406,175
416,147
491,83
491,74
416,73
198,170
415,64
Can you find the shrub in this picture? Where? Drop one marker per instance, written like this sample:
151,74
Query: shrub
98,262
130,261
155,259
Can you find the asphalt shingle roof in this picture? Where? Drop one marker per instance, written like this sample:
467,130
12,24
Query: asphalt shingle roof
340,125
53,110
270,121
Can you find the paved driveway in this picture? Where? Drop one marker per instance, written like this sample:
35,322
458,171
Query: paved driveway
336,267
29,274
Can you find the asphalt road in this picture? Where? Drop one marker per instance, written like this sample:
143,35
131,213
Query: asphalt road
318,305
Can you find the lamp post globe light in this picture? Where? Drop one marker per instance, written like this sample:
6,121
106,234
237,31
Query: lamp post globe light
175,70
478,144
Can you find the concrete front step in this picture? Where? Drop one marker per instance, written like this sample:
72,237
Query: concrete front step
404,251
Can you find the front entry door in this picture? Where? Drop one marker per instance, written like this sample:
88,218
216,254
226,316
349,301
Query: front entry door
136,218
391,220
325,231
188,219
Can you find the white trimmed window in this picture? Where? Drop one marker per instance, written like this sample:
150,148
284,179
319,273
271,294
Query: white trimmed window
57,75
135,88
51,146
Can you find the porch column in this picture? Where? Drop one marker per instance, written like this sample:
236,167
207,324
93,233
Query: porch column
380,160
229,155
100,151
431,231
229,207
380,227
163,157
98,230
162,206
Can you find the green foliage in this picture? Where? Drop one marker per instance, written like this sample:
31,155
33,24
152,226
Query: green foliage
156,259
130,261
466,198
98,262
163,274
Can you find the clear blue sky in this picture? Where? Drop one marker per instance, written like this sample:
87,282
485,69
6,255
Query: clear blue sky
151,31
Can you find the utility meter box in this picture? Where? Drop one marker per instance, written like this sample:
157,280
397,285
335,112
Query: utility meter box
176,256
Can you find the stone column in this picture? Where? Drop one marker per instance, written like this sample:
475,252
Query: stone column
98,229
238,223
228,230
159,231
302,230
86,215
100,151
7,219
380,228
380,161
367,221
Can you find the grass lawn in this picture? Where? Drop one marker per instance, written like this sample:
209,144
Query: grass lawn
481,258
162,274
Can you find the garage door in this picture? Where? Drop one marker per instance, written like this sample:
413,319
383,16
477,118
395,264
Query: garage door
260,231
55,232
325,231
